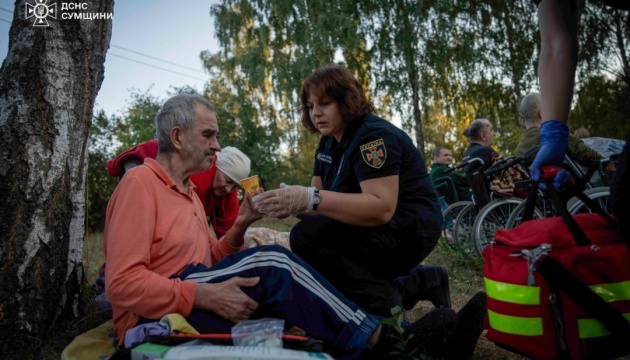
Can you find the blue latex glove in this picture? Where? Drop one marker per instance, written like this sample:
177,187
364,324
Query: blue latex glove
554,141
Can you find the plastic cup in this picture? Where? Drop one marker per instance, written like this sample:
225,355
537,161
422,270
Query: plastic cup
250,184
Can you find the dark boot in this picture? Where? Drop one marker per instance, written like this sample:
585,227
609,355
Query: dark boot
425,283
429,336
461,343
432,330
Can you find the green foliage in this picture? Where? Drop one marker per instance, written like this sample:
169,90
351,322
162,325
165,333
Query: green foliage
602,108
99,185
138,121
246,120
404,347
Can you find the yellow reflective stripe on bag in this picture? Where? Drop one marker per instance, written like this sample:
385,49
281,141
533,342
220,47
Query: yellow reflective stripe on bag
613,292
515,325
590,328
516,294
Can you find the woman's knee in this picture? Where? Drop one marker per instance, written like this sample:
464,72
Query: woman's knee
303,235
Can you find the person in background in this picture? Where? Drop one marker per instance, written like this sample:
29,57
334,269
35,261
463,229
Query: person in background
480,134
216,187
371,214
530,118
162,259
558,21
442,159
581,133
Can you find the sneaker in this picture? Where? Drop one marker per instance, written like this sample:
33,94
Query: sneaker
426,283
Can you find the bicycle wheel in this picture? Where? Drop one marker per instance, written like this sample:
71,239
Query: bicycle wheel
450,215
516,217
491,218
462,230
600,194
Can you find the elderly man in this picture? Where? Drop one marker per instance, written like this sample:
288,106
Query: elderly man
155,229
481,136
442,159
530,119
216,187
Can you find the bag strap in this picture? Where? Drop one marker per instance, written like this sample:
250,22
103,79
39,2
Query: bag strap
569,221
594,306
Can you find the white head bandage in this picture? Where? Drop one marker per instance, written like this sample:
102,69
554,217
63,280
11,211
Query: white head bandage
233,163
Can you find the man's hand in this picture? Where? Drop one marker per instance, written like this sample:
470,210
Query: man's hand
227,299
285,201
247,212
554,141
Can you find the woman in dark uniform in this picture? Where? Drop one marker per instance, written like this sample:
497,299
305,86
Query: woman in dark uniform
371,214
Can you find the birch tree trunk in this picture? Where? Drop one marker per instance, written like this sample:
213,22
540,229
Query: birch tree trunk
48,84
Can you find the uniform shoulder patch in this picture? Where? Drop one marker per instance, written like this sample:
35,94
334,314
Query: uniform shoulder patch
374,153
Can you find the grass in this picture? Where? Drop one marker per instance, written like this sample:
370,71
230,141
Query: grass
465,273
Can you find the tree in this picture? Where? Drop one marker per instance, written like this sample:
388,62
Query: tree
246,120
48,83
99,185
597,108
138,121
268,48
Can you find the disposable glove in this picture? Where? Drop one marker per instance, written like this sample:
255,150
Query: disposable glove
285,201
554,141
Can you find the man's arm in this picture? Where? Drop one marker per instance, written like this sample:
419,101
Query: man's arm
233,239
127,245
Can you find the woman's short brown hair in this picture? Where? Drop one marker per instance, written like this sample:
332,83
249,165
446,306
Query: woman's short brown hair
339,84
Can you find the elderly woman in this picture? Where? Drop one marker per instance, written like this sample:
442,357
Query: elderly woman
216,187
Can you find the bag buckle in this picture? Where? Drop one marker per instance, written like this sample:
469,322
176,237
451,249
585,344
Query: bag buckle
532,256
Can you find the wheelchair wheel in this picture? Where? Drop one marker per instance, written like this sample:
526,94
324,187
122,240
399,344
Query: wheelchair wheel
450,215
543,209
491,218
462,229
600,194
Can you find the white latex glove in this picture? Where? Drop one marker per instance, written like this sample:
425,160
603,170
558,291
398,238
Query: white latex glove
285,201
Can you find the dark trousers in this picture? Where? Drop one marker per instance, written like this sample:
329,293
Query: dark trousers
620,192
361,262
289,289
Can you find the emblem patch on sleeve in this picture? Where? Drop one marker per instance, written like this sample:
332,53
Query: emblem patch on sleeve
374,153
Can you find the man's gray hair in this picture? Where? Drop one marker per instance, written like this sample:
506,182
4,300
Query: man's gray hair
528,109
177,111
476,127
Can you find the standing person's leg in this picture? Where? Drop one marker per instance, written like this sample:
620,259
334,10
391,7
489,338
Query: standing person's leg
620,192
557,20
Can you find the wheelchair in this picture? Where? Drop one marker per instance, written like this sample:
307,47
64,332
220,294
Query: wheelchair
450,204
584,180
473,224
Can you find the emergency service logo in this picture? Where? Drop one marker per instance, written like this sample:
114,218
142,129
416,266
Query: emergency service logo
374,153
41,12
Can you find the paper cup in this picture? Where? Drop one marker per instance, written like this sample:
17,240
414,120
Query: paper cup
250,184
